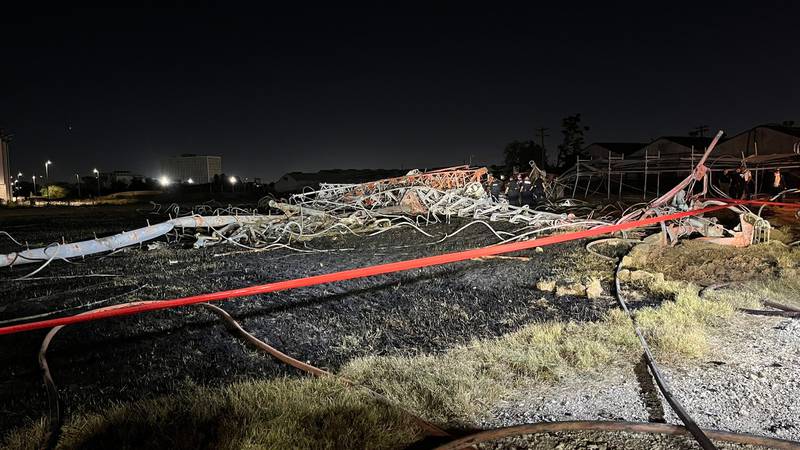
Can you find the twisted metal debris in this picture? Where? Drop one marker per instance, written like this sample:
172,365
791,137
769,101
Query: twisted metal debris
416,199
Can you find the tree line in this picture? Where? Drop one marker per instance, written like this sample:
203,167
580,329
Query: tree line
518,154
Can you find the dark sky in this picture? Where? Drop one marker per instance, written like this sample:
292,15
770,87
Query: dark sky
275,90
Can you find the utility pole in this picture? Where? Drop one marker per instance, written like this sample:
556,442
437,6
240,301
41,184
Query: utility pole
699,130
542,133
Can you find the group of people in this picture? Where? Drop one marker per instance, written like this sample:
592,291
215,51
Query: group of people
741,182
519,190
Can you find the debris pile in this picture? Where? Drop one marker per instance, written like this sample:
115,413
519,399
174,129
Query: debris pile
416,200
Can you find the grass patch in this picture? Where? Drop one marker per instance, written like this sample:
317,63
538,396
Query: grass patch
280,413
680,328
461,385
706,263
784,290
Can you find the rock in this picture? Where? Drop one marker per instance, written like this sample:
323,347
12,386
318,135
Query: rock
645,277
627,261
546,285
574,289
655,238
594,289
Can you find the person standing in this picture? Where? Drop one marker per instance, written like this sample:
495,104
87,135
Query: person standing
495,188
778,185
512,191
747,178
526,191
735,186
503,184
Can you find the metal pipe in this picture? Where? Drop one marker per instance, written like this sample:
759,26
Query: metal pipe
125,239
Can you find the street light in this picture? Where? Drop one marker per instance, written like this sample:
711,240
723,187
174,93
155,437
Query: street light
34,184
190,181
47,176
78,179
97,174
163,181
232,180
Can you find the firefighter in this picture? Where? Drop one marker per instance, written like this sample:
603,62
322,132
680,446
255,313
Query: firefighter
512,191
526,191
496,188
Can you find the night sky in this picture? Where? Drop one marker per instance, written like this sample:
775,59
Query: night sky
276,90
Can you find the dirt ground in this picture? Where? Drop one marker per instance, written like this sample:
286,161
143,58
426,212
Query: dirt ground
421,311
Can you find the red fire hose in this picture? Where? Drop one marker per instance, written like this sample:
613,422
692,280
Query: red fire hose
359,272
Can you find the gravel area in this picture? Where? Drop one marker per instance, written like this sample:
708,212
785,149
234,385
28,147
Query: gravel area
602,441
747,383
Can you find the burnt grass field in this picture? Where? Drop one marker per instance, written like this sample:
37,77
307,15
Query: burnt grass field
122,359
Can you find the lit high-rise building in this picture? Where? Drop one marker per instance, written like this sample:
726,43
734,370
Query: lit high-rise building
198,168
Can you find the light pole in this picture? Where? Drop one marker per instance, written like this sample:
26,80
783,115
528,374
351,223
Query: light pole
78,179
34,184
47,176
233,183
97,174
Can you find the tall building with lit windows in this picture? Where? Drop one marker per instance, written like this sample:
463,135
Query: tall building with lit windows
199,168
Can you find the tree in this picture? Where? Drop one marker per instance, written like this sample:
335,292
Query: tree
54,192
518,154
573,130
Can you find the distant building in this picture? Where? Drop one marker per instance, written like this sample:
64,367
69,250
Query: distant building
5,172
601,150
673,146
201,169
762,140
125,177
297,181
